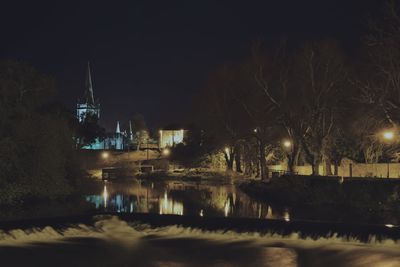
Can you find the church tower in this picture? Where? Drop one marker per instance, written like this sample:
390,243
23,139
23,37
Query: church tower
87,105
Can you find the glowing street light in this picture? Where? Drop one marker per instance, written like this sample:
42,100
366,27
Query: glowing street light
388,135
287,144
105,155
166,152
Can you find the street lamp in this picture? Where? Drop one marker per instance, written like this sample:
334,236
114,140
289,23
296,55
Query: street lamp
287,144
166,152
388,136
105,155
288,148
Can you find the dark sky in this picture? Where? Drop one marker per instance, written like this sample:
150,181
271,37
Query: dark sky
150,57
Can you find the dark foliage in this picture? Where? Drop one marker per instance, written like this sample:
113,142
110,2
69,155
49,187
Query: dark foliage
36,145
88,131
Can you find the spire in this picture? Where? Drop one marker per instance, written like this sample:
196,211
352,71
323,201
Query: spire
130,131
88,97
117,130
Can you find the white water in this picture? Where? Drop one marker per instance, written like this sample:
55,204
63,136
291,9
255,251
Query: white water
112,242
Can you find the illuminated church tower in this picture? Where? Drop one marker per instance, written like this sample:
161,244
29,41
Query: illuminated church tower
87,105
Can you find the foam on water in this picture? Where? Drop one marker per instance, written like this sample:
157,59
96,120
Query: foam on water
275,249
111,227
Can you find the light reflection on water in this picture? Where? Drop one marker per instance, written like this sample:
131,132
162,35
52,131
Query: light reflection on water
169,206
182,198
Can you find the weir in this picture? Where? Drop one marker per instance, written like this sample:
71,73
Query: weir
304,229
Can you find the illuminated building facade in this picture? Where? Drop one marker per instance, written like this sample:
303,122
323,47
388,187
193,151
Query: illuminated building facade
170,138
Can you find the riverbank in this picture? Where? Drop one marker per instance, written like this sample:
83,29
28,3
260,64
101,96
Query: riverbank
192,175
93,161
318,191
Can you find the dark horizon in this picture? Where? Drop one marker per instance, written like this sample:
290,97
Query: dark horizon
151,58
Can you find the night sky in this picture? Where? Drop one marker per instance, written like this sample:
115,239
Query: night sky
150,57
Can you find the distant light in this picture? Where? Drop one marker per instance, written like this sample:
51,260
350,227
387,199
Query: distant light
105,155
227,207
105,196
389,225
227,150
286,216
255,130
166,152
287,144
201,213
388,135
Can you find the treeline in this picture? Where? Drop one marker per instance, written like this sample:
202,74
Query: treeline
37,138
311,103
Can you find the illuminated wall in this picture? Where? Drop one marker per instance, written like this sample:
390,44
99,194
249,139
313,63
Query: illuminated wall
170,138
84,109
115,142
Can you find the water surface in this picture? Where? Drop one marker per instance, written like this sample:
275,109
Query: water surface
182,198
221,199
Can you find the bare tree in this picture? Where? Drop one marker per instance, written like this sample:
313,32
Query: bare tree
222,116
382,86
305,88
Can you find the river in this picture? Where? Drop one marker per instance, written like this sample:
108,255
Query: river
112,241
182,198
216,199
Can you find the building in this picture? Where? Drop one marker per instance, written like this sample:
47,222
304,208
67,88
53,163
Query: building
120,140
171,137
88,106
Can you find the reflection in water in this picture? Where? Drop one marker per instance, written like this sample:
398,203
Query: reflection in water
269,212
169,206
227,207
177,197
105,196
286,215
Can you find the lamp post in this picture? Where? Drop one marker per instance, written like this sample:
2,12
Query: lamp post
288,146
388,136
147,148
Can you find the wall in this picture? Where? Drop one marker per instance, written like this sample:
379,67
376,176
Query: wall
93,160
358,169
